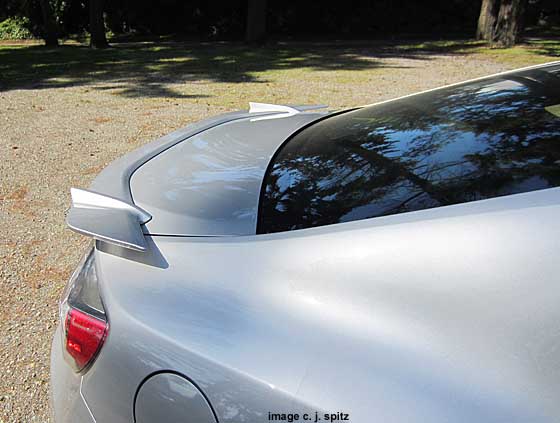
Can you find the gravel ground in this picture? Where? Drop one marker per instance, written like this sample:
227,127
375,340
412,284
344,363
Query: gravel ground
52,139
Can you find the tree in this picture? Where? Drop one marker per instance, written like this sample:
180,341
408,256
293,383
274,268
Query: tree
487,19
50,32
256,21
97,24
510,22
501,22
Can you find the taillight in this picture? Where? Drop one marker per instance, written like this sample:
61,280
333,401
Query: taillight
84,336
83,318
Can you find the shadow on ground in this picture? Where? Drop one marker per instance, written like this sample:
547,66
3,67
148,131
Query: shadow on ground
147,69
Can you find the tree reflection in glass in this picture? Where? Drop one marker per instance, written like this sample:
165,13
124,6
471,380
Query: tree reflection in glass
465,143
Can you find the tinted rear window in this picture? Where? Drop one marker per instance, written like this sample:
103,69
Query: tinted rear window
480,140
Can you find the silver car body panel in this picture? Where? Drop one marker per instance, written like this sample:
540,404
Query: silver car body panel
347,318
66,400
114,180
209,184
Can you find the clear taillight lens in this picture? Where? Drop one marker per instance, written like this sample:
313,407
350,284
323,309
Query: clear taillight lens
82,315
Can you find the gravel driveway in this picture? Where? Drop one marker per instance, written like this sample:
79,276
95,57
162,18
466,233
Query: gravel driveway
60,134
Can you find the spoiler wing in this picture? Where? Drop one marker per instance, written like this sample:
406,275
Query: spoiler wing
276,111
107,219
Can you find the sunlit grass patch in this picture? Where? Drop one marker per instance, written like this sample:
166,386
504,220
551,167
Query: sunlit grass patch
151,66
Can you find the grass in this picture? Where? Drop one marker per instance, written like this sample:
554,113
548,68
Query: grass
532,51
150,66
154,64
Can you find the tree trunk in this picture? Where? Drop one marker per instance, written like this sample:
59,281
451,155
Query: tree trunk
256,21
510,22
487,19
50,31
97,24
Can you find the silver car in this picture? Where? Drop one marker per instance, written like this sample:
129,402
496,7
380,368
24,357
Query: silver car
397,262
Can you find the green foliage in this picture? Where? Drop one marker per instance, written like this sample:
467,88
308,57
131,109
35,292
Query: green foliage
15,28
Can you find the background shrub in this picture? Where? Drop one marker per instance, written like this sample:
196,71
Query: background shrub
15,28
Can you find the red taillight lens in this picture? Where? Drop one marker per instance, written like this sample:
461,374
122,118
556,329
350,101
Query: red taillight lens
84,337
82,316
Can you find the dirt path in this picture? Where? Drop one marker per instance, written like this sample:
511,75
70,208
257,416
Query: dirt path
54,138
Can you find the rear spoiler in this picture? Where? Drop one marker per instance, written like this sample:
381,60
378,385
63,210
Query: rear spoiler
107,219
279,111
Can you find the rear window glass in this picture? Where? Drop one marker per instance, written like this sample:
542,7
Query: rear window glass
479,140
